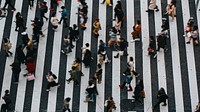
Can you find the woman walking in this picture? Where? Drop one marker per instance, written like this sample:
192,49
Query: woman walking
7,46
54,21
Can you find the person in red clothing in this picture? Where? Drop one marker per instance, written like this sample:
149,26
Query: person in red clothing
30,66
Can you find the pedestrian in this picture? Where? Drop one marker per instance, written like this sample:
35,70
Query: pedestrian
94,80
25,39
84,9
77,65
152,6
118,24
37,29
170,10
194,35
87,45
123,44
112,35
87,58
53,4
152,47
66,105
90,90
16,69
71,37
66,45
102,45
73,76
76,31
83,21
97,27
7,106
197,109
162,97
7,45
130,68
137,91
30,65
63,16
136,31
98,73
51,81
19,22
31,3
43,9
110,104
103,57
118,10
20,54
161,43
127,82
8,2
108,2
54,21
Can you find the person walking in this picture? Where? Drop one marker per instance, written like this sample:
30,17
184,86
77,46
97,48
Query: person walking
98,73
63,16
19,22
8,2
76,32
110,104
77,65
25,39
108,2
127,81
123,44
7,45
194,35
43,9
152,6
53,4
16,69
66,45
51,81
90,92
66,105
6,107
197,109
31,3
170,10
161,43
136,31
112,35
37,29
137,91
54,21
87,58
97,27
73,76
152,47
162,97
20,54
130,68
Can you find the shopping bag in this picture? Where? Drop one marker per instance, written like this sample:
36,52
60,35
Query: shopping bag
30,76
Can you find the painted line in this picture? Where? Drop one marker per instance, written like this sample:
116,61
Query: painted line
116,80
22,85
35,106
2,23
101,87
13,39
190,59
55,62
131,47
70,58
86,71
176,66
160,56
146,59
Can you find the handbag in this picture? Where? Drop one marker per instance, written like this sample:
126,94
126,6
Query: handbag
30,76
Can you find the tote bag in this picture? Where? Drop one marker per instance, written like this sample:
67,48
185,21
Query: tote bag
30,76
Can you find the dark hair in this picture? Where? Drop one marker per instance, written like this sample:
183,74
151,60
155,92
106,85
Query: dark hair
138,22
67,99
62,7
99,65
87,44
6,91
131,58
74,26
53,14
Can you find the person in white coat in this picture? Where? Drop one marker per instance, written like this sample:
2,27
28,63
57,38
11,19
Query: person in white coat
152,6
54,21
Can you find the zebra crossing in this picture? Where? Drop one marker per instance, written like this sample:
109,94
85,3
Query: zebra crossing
176,70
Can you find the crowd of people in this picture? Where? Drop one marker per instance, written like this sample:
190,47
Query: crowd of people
115,41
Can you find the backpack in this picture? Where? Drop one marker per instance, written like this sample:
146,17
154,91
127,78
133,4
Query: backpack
54,76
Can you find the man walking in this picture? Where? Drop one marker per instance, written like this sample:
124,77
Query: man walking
8,2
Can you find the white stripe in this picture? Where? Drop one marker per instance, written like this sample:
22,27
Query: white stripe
86,39
70,58
131,47
101,87
55,62
190,59
35,106
116,81
146,59
13,38
176,66
160,56
22,85
2,23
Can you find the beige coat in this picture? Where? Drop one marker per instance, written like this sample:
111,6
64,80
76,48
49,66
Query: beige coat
152,5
